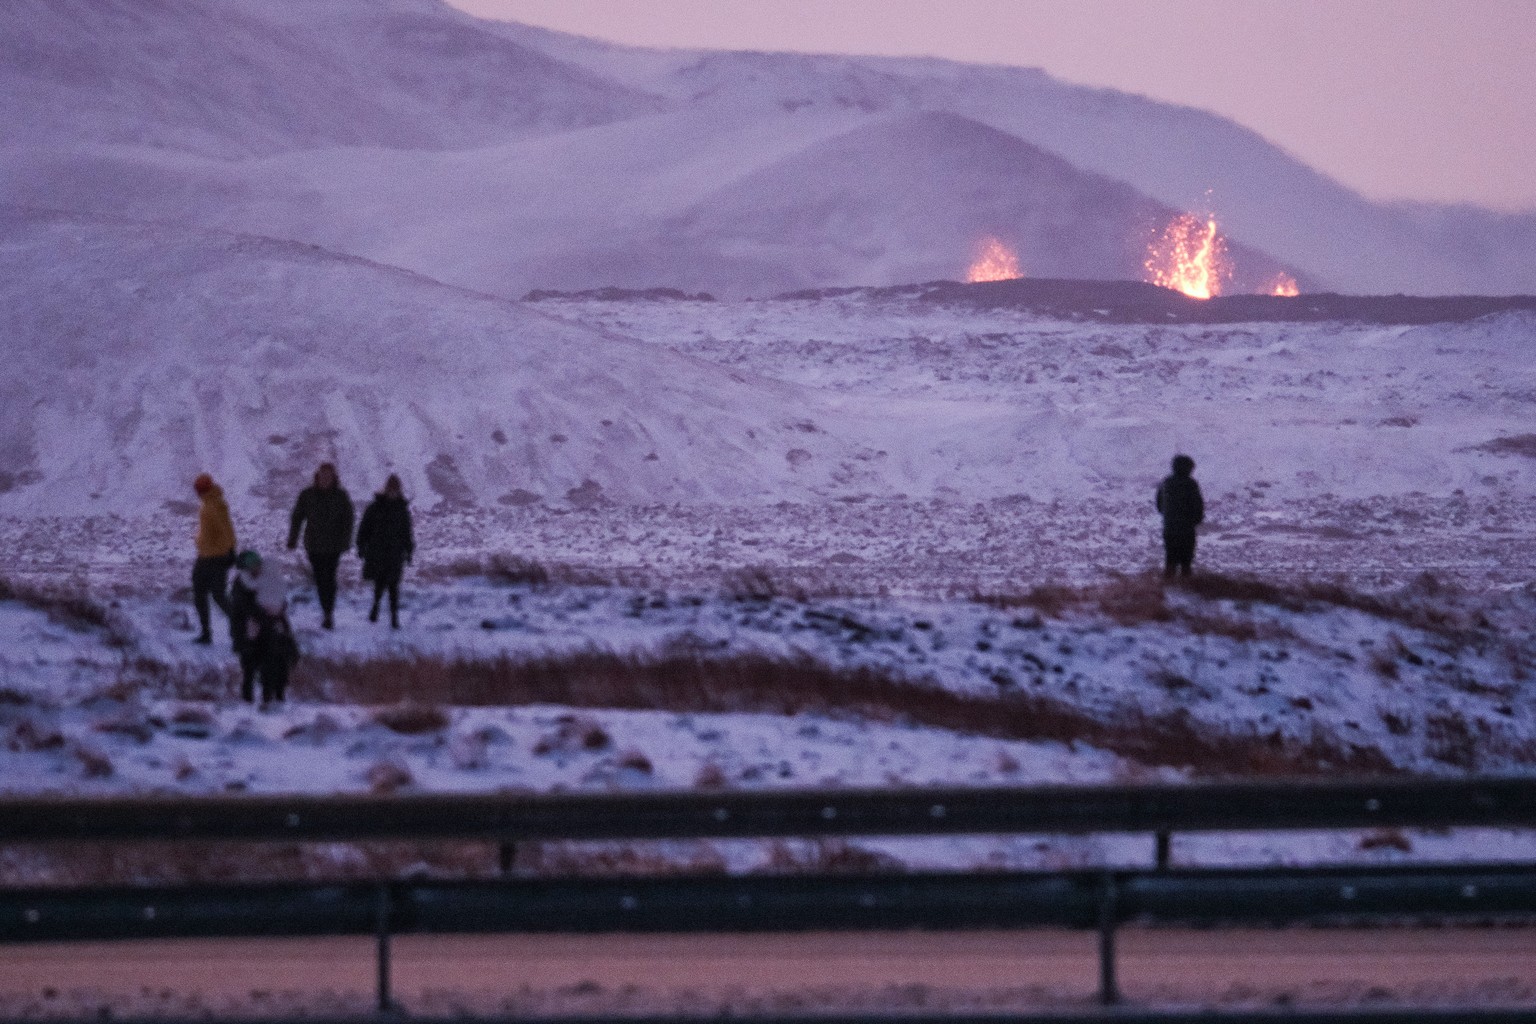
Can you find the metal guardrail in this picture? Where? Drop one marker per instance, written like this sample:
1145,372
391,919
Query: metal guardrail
1095,899
1254,806
775,903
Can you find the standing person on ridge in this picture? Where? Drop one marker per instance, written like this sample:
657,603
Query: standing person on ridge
1183,509
385,544
215,554
325,515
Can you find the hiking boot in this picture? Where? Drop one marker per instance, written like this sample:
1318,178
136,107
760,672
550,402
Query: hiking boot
373,614
205,639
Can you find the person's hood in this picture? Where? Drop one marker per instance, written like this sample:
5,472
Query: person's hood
272,592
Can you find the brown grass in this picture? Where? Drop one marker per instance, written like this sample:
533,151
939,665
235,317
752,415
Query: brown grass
515,570
827,857
28,735
636,760
573,733
1454,741
152,863
1134,600
388,776
69,606
93,763
694,682
412,719
601,860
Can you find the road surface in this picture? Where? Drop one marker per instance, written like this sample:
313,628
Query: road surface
564,972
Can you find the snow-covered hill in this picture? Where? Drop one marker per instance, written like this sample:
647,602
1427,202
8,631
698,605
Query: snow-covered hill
906,198
137,355
505,158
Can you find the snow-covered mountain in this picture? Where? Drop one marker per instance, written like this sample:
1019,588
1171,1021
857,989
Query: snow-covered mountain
1180,156
506,158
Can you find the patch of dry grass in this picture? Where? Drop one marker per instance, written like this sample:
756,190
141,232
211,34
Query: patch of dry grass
1136,600
515,570
164,863
410,718
69,605
696,682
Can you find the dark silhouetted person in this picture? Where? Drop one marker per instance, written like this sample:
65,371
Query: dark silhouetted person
325,516
259,607
215,554
385,544
1183,509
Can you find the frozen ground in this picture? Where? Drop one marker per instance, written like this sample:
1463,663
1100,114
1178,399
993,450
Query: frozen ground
1367,605
1119,682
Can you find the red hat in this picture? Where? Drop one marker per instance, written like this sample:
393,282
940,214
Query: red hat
203,484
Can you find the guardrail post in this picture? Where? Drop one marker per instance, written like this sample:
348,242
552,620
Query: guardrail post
1109,990
506,853
381,934
1164,848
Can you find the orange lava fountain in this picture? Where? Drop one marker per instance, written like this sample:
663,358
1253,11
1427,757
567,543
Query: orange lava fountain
1284,285
994,262
1190,257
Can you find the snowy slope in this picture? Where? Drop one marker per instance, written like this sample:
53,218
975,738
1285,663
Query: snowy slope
1316,410
139,356
232,79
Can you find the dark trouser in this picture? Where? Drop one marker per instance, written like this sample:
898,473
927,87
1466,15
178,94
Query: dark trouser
1179,551
274,678
210,578
392,586
271,666
249,664
324,567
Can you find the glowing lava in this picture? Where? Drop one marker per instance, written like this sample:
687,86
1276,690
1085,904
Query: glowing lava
1283,284
1190,257
994,262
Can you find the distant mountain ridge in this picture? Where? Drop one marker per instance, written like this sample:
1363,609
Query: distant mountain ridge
508,158
241,78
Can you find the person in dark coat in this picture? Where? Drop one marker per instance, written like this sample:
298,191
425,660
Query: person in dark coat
385,544
1183,509
259,604
325,515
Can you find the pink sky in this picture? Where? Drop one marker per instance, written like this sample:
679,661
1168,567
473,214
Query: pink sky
1417,99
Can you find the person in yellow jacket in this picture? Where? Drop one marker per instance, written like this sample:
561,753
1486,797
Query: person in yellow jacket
215,554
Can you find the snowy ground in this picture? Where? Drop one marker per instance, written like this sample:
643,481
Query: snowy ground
1367,608
1181,685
